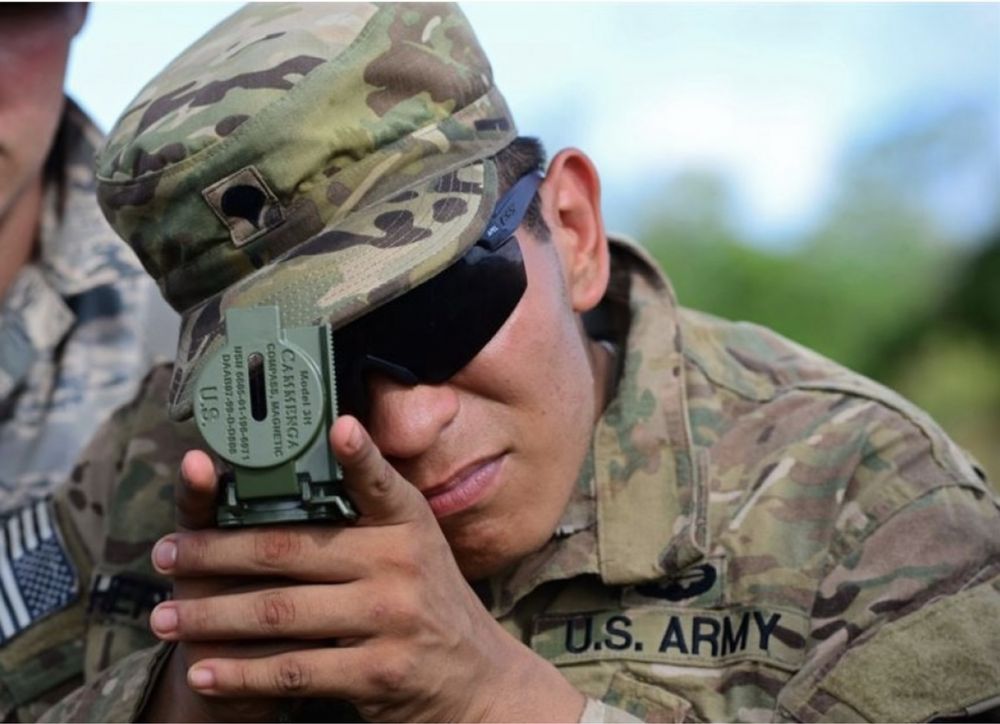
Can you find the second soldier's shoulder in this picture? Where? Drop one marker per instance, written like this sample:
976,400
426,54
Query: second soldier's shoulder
755,361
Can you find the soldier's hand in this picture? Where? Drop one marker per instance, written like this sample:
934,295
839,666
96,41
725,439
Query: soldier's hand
381,613
173,700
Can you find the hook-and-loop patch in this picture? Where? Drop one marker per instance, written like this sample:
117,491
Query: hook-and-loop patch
37,575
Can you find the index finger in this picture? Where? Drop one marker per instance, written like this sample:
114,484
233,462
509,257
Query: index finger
381,494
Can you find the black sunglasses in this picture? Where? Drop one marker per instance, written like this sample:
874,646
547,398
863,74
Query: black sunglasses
434,330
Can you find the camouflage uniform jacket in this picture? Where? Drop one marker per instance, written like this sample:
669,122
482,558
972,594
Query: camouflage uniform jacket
77,326
759,534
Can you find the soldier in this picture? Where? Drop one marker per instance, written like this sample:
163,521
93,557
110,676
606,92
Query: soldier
577,499
75,308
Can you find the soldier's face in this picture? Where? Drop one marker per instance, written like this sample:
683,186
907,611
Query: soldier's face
498,448
34,45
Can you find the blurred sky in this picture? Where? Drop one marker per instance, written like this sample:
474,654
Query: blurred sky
772,95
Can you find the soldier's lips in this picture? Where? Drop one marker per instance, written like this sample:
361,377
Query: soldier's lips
469,486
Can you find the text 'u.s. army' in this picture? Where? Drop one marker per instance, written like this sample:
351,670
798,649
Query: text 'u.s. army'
707,635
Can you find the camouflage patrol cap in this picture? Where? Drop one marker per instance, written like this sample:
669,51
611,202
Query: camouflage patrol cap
322,157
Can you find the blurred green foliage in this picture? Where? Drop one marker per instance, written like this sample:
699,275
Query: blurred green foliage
879,285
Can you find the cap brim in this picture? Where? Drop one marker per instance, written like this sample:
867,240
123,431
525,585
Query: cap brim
353,265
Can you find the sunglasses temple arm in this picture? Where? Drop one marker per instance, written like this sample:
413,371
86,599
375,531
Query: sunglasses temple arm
510,211
397,372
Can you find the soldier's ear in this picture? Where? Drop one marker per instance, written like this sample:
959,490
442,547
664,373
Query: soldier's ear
571,206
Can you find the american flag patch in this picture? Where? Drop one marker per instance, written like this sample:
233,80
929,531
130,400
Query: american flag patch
37,577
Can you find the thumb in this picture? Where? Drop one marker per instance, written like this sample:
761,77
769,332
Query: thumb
381,494
196,491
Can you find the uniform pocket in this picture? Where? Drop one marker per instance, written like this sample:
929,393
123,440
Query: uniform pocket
646,700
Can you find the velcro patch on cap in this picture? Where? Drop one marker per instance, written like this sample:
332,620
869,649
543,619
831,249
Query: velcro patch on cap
245,204
37,575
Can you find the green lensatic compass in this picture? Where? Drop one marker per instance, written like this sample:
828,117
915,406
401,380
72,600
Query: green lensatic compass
264,403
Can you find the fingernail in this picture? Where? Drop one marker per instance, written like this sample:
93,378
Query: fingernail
199,678
164,619
165,554
185,465
354,440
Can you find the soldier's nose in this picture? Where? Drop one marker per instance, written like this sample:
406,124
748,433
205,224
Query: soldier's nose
405,420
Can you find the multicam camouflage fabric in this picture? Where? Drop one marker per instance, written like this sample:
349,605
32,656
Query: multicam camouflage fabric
79,327
345,141
116,504
758,535
775,538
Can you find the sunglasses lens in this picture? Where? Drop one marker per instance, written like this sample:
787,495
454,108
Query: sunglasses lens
433,331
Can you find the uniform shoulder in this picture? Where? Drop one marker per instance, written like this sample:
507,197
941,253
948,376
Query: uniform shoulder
761,365
808,455
753,360
43,647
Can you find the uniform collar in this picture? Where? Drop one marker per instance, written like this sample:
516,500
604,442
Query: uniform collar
34,319
79,256
77,252
34,314
638,509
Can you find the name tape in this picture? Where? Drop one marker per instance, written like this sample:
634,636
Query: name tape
684,636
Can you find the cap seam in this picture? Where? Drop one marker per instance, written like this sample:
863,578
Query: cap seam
264,113
458,164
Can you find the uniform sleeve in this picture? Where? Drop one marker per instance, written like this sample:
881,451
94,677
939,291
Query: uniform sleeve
906,622
116,504
44,627
117,694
